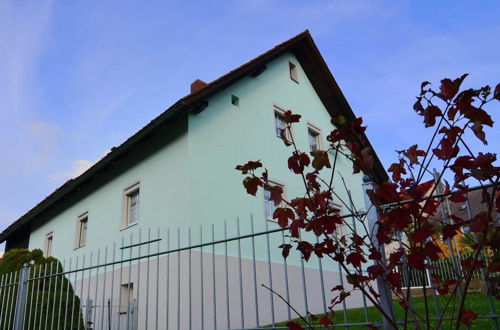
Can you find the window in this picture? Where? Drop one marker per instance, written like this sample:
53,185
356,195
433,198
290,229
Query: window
279,124
81,230
131,205
269,206
48,244
235,100
314,137
293,72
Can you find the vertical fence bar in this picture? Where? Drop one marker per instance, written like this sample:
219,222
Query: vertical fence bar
228,316
67,297
157,276
111,300
4,288
178,279
353,219
87,305
128,282
304,288
21,297
54,302
256,298
270,272
95,300
48,295
120,285
189,283
168,279
28,284
384,291
287,290
213,277
322,283
241,275
344,307
104,287
201,280
135,315
147,279
2,292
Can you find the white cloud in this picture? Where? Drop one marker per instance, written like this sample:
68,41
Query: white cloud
78,167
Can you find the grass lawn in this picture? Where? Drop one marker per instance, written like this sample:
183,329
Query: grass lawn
477,302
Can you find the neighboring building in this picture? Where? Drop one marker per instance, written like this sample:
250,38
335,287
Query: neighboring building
179,170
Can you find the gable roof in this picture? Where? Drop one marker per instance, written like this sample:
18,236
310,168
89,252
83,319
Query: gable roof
313,64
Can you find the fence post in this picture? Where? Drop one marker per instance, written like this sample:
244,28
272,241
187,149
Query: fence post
21,297
383,289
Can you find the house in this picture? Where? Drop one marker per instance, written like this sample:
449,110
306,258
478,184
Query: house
178,171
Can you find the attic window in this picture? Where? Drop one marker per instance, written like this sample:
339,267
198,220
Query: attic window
293,72
235,100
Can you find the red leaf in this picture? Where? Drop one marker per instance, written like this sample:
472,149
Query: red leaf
250,166
375,271
398,218
450,88
468,316
325,321
320,159
276,194
251,184
477,128
395,280
412,153
374,254
355,259
297,162
430,114
450,231
306,248
282,214
290,117
294,326
286,249
496,93
478,223
397,170
416,260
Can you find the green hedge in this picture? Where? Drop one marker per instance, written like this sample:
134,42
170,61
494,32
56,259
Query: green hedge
44,296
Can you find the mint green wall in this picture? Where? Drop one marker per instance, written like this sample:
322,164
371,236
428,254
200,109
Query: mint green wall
224,135
191,181
163,202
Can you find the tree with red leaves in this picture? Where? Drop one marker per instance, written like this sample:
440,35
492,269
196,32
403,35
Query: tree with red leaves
408,207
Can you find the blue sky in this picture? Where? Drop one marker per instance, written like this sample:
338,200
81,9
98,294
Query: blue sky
79,77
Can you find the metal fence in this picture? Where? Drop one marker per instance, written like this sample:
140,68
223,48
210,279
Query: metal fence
191,279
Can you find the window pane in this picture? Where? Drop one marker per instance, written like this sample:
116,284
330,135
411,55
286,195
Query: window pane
313,140
279,123
83,232
133,207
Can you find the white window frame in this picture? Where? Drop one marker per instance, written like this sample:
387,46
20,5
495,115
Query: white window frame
126,214
269,217
80,220
48,244
314,129
294,72
279,112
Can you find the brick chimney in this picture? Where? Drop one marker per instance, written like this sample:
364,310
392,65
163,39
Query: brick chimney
197,85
